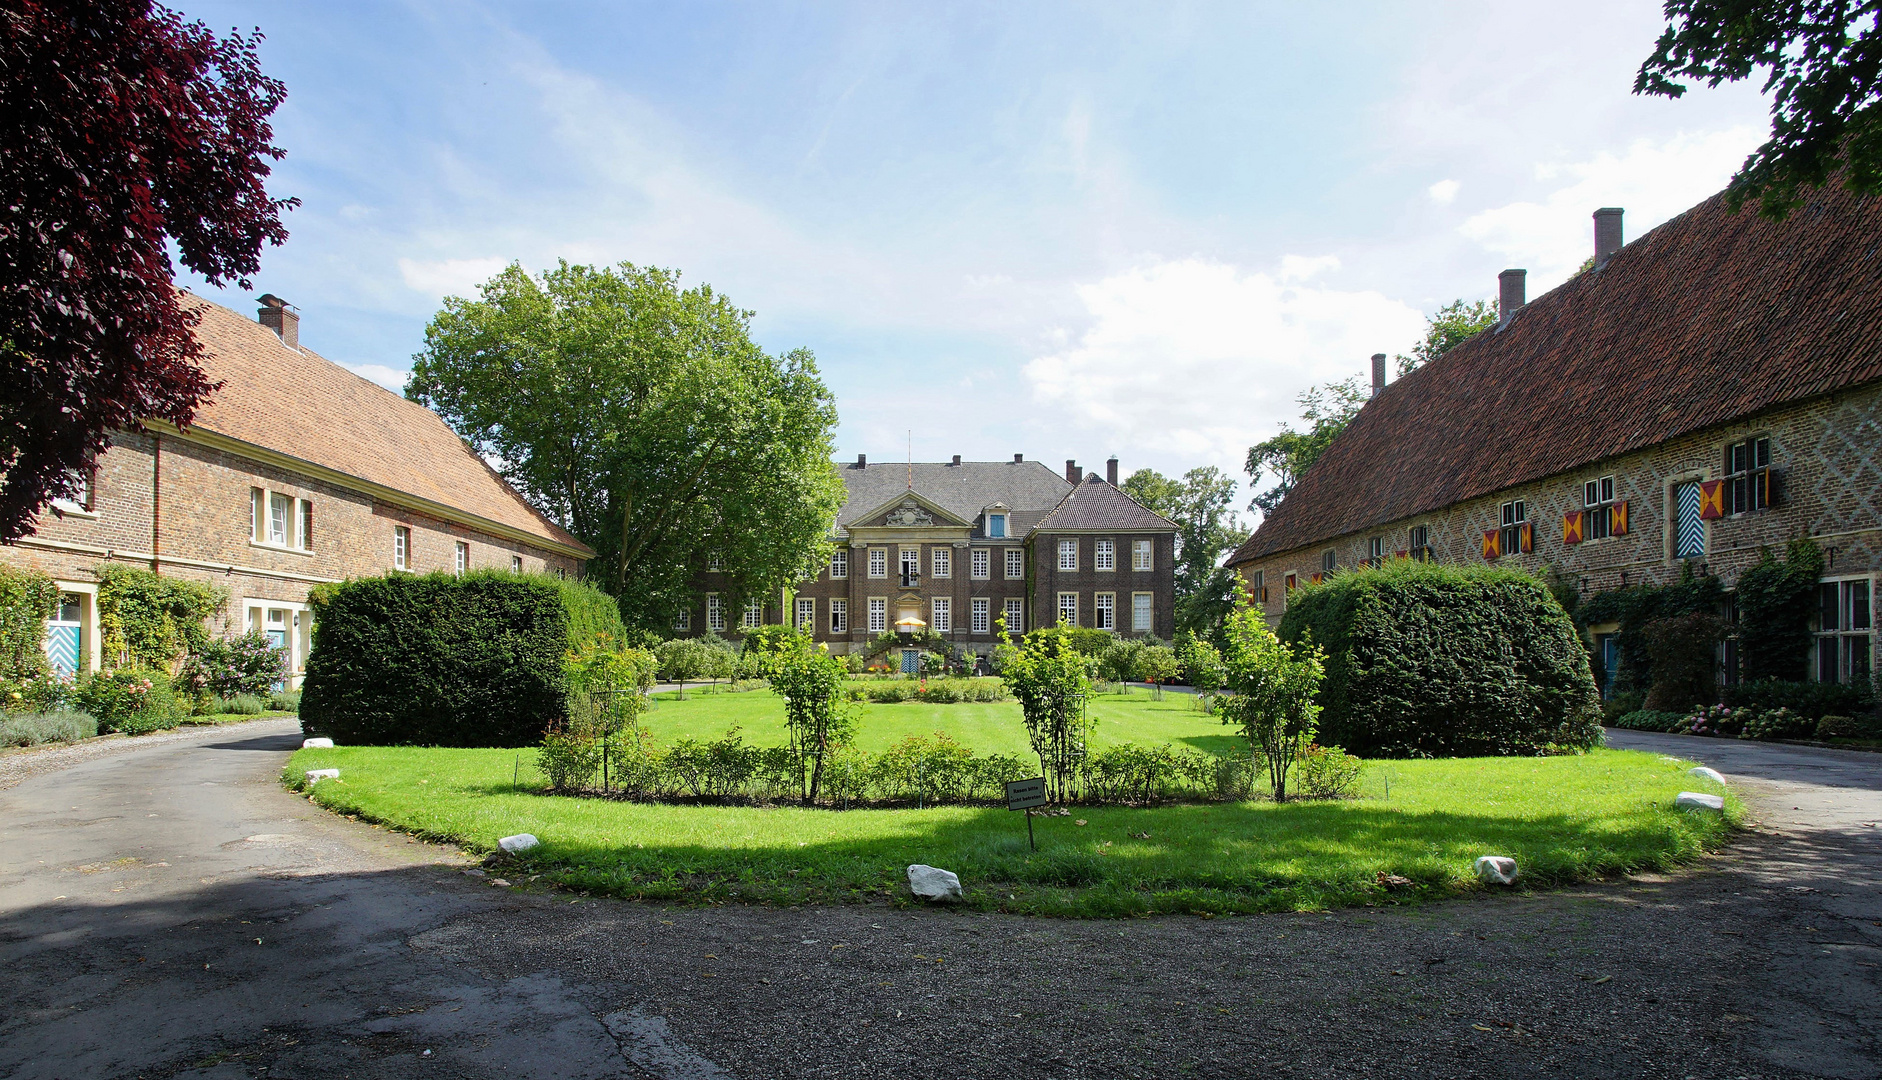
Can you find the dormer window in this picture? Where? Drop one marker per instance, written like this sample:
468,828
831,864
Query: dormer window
996,526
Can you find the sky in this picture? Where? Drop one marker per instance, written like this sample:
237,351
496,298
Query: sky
1064,230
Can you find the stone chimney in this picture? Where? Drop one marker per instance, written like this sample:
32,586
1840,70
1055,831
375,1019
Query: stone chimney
278,315
1378,373
957,459
1019,459
1511,285
1071,471
1607,234
862,461
1110,471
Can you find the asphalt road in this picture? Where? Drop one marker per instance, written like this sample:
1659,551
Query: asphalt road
167,910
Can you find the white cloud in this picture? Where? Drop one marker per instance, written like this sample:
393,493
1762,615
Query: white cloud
1443,191
1196,358
1651,180
449,277
390,378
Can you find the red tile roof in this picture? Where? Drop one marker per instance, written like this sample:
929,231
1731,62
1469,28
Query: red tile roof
295,402
1710,317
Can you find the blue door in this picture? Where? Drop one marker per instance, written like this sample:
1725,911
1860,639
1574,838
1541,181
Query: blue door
1609,647
911,661
65,636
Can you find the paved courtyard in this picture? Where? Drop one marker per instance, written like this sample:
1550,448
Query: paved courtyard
169,911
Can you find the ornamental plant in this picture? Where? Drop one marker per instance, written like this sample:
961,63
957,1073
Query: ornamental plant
1051,679
1275,688
248,664
817,708
27,599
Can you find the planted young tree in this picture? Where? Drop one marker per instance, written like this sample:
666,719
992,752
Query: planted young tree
816,709
1052,681
1274,688
1158,665
1202,666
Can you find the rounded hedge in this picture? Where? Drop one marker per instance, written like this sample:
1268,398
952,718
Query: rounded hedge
446,660
1425,660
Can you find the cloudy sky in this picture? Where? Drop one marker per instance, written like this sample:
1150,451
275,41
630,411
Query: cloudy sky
1069,230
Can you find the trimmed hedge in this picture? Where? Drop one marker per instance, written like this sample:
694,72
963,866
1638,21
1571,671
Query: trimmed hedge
447,660
1425,660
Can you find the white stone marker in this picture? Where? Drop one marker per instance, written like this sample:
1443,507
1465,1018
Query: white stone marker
1693,800
519,842
1704,773
933,883
315,776
1496,870
316,744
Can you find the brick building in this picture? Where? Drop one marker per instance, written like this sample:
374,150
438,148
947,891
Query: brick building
298,472
1712,388
955,546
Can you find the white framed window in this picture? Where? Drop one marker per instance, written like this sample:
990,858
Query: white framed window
878,614
1068,608
1748,476
82,498
715,613
754,614
1015,563
1514,517
516,564
1597,497
943,561
1257,589
942,620
401,547
1329,561
1068,554
1104,611
806,613
979,564
684,620
839,564
1015,615
1375,551
1104,555
1845,623
461,558
1142,612
1418,541
996,526
909,561
279,520
878,562
981,611
839,615
1140,555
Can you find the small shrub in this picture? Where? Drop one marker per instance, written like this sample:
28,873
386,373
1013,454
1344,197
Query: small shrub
1328,772
1808,698
131,700
938,693
246,705
248,664
285,701
32,729
1717,721
1839,727
888,693
1648,720
48,692
1777,724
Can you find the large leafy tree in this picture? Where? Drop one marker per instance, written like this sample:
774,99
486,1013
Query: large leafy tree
122,129
1822,64
1451,326
642,417
1201,505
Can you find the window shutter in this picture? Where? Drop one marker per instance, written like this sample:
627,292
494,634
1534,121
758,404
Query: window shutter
1711,500
1619,518
1773,486
1317,578
1528,538
1492,543
1572,527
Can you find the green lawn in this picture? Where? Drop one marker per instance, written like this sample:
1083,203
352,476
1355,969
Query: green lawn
985,728
1564,819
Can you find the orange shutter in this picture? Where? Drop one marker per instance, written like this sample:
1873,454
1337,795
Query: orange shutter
1711,499
1401,553
1492,543
1619,517
1317,578
1572,527
1529,538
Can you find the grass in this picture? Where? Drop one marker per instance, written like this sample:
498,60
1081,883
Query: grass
1564,819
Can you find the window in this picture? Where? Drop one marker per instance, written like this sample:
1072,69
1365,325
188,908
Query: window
878,614
806,613
943,618
516,564
1418,542
463,557
996,526
1104,611
839,564
1289,582
979,564
839,616
981,610
943,560
1844,622
1596,495
1140,554
1514,534
715,563
1689,526
1258,586
1068,608
80,501
1140,612
754,614
1328,560
280,519
1103,555
1750,481
401,547
878,562
1068,554
684,620
1015,615
1375,551
276,519
715,613
1015,563
911,565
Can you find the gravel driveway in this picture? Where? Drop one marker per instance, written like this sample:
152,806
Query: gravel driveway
173,913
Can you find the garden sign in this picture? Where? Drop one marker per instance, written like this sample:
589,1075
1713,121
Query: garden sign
1024,795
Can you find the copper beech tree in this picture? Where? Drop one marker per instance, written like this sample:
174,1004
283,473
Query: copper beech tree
122,130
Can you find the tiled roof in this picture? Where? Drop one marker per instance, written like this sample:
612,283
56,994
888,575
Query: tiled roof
295,402
1710,317
963,490
1095,504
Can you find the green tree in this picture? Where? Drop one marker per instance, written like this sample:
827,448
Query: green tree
642,417
1201,505
1326,410
1822,64
1452,325
1274,687
816,710
1052,681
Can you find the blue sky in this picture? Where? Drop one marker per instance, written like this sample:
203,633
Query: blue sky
1067,230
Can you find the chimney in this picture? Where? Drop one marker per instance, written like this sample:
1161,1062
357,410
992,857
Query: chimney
862,461
1019,459
1378,374
1607,234
1110,471
278,315
957,459
1509,294
1071,471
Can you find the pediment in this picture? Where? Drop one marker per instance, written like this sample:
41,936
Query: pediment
908,510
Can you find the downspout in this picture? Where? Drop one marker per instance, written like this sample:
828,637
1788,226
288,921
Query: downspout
156,503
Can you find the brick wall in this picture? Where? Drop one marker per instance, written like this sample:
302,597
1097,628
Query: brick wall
1048,581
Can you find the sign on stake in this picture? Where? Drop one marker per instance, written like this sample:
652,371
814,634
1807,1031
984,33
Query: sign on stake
1024,795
